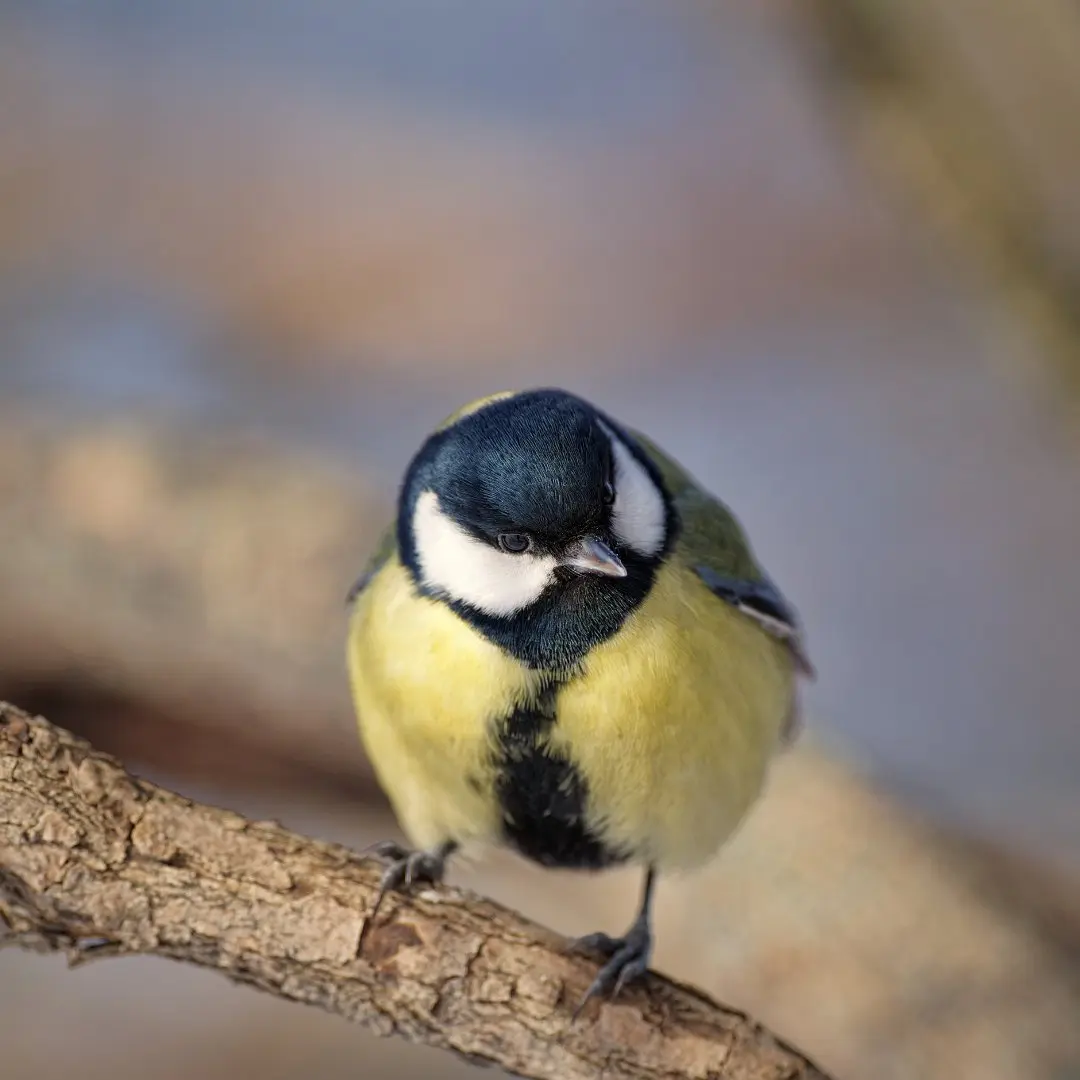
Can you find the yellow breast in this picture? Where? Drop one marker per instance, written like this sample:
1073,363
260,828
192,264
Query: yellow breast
674,721
426,688
671,722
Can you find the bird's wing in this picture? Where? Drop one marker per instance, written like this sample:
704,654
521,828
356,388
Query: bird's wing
380,557
713,543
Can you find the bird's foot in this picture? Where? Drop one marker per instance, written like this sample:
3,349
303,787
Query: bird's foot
627,959
406,868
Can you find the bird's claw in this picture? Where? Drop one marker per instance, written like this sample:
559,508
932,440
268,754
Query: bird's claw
388,850
406,868
600,943
627,959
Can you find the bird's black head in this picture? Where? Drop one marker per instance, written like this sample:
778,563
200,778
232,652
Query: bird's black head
538,520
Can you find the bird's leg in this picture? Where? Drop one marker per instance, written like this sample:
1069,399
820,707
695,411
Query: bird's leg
627,957
406,868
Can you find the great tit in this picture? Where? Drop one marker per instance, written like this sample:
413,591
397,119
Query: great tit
564,645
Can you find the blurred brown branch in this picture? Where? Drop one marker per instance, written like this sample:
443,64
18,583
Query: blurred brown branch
95,862
198,579
971,108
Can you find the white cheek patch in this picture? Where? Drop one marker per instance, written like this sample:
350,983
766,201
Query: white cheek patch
471,571
638,517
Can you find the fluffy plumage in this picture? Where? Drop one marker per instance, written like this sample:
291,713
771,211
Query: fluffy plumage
508,696
639,516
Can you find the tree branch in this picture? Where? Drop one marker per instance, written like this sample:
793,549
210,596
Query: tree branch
96,862
931,91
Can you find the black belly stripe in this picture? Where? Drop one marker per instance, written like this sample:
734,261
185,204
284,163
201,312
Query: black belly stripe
543,797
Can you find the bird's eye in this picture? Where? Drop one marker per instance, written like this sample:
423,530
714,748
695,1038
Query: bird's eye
609,493
515,543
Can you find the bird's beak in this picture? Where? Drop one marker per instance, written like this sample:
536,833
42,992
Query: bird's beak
593,556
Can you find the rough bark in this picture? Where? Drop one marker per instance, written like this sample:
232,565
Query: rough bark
95,862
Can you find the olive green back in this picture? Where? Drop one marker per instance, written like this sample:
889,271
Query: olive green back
711,536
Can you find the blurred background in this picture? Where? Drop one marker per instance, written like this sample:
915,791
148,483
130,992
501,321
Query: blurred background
827,254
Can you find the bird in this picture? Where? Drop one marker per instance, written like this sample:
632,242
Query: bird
564,645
